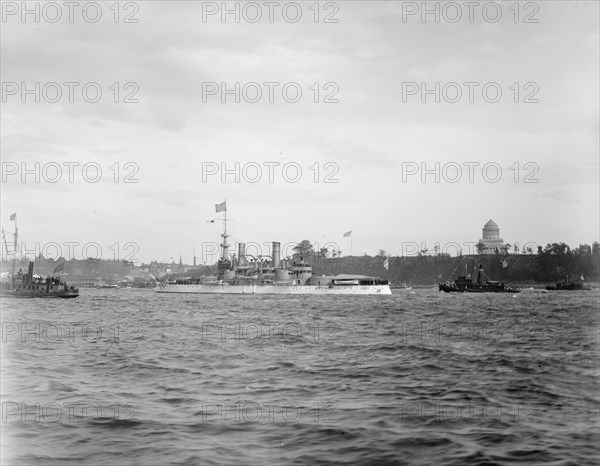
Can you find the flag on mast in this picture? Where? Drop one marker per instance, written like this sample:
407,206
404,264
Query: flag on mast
348,233
13,217
222,207
59,268
386,263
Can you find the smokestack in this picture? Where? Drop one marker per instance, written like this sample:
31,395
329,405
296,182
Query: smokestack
276,254
30,273
242,253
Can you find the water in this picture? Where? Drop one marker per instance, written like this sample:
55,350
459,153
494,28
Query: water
132,377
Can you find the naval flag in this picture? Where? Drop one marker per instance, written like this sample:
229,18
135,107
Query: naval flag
348,233
59,268
386,263
504,263
222,207
13,217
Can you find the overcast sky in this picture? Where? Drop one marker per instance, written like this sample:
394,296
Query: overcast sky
369,130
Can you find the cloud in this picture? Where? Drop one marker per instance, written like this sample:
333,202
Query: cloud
369,132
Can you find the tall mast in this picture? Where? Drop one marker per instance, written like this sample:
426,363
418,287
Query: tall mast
12,269
5,243
224,245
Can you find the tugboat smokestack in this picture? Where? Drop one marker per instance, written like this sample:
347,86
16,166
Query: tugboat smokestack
30,273
276,254
242,253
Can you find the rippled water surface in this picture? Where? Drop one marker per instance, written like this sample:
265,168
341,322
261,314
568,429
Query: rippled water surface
132,377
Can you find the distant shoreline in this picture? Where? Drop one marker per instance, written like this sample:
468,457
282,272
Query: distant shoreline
535,286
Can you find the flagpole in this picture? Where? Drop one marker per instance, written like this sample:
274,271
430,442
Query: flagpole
16,233
5,243
12,270
224,245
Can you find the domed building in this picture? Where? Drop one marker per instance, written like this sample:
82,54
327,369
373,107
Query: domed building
491,241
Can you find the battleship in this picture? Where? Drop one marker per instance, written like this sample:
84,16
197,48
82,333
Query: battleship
245,274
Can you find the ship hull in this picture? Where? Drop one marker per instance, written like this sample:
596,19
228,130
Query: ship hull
569,287
454,288
21,294
274,289
492,290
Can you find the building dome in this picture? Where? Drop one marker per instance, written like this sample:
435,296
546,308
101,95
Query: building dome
490,242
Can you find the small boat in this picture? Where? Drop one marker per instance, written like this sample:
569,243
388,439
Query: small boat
106,286
465,284
20,285
567,286
29,286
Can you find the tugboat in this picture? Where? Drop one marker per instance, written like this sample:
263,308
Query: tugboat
572,286
108,285
246,274
29,286
464,283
